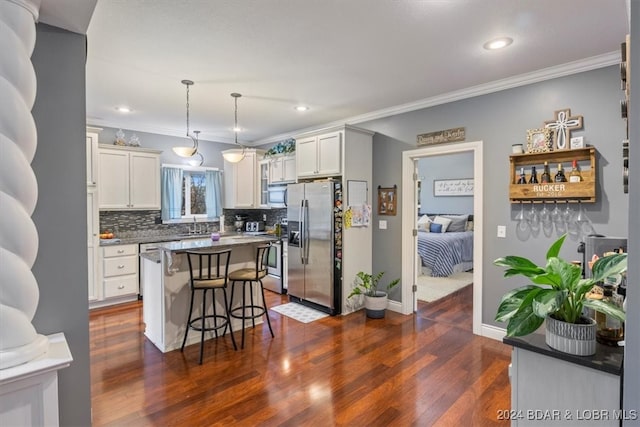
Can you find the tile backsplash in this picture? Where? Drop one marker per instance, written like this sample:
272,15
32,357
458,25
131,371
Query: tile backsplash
125,224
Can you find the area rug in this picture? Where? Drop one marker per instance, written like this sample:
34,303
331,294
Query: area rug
433,288
299,312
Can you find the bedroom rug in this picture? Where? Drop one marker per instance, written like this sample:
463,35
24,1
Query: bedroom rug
299,312
433,288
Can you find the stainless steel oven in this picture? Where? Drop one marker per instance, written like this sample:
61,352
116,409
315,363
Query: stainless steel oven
274,264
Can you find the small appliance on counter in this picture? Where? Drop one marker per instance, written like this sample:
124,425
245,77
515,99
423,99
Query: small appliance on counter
239,222
255,226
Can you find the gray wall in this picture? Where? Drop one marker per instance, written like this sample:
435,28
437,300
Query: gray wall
449,166
60,216
210,150
500,120
631,393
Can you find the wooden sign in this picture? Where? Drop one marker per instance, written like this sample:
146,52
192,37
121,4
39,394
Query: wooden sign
441,136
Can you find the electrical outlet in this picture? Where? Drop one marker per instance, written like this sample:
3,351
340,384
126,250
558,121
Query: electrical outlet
264,217
382,224
502,231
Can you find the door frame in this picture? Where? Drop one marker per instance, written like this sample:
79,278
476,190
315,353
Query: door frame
409,218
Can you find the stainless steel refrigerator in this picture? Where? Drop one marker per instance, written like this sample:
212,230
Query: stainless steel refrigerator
313,276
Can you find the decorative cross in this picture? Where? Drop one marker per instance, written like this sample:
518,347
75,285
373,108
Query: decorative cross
562,126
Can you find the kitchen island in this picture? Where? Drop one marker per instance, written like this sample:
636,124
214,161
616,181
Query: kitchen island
165,281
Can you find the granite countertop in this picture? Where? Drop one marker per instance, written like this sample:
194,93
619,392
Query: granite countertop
159,238
229,240
607,359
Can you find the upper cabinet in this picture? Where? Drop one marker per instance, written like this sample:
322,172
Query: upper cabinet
128,178
92,155
282,170
241,181
319,155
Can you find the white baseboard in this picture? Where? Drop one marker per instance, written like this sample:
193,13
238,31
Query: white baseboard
493,332
394,306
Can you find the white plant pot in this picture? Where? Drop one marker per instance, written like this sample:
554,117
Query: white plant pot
375,306
571,338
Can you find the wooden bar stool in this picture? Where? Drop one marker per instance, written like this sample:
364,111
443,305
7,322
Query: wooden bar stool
208,272
249,276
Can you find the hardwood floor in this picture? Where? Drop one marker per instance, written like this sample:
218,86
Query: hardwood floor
427,369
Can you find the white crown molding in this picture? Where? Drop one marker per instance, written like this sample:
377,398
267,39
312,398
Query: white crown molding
575,67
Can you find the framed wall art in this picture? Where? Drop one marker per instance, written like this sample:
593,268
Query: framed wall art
539,140
453,187
387,200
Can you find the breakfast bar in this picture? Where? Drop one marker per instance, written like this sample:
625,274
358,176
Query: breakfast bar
165,281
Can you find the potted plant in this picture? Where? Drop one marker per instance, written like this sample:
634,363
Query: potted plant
375,300
557,294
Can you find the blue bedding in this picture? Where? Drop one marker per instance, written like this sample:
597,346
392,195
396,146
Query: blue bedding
442,251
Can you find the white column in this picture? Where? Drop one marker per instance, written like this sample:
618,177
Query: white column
19,341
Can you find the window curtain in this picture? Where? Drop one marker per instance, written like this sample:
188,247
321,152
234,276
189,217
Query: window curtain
171,193
213,196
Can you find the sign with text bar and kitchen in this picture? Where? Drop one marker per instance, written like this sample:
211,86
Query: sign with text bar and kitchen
441,136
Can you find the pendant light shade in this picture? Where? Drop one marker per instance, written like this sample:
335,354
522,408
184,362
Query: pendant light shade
186,151
236,154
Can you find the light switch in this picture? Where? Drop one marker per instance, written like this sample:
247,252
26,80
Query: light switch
382,224
502,231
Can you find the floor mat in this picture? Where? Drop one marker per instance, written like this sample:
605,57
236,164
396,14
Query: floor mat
299,312
433,288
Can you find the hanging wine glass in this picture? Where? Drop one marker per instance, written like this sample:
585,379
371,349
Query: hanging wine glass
583,221
534,220
545,219
558,220
573,230
522,228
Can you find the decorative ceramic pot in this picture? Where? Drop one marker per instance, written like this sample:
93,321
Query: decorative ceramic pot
572,338
375,306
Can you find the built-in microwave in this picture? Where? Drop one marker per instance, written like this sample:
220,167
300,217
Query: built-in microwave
278,196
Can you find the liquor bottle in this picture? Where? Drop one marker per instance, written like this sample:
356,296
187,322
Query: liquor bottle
523,178
560,174
609,329
534,176
546,176
574,175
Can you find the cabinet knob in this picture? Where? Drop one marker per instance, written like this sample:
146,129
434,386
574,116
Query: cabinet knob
121,287
120,251
121,266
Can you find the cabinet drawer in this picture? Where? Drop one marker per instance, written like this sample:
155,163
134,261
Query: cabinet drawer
120,266
120,250
118,286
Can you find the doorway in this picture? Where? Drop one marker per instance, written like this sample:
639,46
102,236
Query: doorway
410,264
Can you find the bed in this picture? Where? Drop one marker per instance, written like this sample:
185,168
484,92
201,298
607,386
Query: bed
445,253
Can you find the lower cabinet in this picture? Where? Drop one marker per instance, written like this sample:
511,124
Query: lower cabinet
119,278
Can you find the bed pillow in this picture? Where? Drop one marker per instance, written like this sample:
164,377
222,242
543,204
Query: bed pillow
469,225
423,223
442,221
458,222
435,228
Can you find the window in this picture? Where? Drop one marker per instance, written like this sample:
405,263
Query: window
194,190
189,192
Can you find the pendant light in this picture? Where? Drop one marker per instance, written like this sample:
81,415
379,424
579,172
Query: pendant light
236,154
197,159
183,151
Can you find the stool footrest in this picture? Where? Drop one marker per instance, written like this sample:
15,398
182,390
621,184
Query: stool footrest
258,311
210,328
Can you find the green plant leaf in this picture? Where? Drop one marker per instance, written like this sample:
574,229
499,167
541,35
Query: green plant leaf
554,249
512,301
606,308
525,320
547,279
568,274
548,301
516,263
608,266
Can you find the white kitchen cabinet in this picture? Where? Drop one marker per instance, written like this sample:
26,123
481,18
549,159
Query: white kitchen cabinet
93,220
241,181
128,178
319,155
119,278
92,155
282,170
264,172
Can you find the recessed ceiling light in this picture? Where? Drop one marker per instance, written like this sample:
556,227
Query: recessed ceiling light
301,108
123,109
498,43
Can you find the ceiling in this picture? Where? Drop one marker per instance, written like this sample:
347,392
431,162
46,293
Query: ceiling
348,60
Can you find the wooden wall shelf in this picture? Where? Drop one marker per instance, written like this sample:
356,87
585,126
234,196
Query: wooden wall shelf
584,191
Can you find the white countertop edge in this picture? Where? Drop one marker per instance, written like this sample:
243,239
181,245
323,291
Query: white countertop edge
58,356
205,243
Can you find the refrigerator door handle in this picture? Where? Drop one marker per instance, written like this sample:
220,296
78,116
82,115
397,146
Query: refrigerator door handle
301,231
